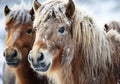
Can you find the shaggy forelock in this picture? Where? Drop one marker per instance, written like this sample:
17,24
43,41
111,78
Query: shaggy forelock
52,7
18,15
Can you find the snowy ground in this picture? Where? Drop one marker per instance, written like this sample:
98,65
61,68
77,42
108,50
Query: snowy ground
103,11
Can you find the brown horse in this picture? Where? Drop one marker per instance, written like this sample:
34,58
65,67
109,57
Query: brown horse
19,40
69,47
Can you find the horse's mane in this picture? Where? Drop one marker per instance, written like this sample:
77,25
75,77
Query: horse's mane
91,41
19,15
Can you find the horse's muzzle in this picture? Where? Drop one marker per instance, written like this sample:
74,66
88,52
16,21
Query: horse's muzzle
11,57
38,63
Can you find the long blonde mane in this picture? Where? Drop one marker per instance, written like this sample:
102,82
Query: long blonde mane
92,41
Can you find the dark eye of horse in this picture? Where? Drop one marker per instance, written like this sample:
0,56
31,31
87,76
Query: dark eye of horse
29,31
61,30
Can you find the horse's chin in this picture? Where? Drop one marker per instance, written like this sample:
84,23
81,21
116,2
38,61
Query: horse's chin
13,64
42,69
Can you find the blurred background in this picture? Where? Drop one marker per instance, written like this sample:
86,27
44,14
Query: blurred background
103,12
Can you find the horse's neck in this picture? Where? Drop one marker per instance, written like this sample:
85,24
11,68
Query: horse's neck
69,73
64,76
25,74
77,73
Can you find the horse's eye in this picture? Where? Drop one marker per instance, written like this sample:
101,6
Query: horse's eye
29,31
61,30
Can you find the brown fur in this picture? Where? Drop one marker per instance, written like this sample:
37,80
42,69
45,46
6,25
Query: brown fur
23,43
81,54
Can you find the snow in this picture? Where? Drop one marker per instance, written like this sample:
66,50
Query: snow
104,11
2,37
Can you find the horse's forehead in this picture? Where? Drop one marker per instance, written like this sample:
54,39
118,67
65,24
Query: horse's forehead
50,7
47,10
13,36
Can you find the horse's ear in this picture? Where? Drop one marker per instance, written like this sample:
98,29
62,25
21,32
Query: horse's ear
36,5
106,27
70,9
32,13
6,10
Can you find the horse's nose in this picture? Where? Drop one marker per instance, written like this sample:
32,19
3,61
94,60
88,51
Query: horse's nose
10,54
37,60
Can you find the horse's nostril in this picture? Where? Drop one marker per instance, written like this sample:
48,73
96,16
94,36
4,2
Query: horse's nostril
10,57
14,54
41,57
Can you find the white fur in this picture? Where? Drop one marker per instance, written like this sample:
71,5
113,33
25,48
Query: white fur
115,34
14,36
